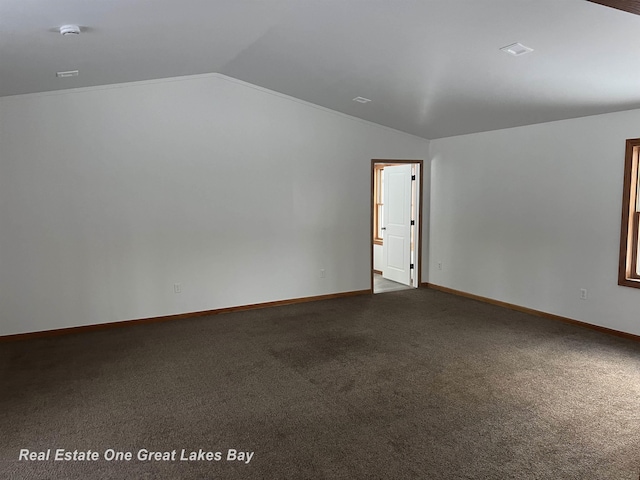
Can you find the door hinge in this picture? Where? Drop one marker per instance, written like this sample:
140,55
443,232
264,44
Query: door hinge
413,177
413,222
410,266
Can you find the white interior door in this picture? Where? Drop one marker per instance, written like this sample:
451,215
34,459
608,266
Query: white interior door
396,215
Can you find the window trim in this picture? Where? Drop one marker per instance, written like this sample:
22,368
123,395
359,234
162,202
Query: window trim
377,194
628,274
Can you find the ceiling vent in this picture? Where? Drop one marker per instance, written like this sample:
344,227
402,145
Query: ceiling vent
70,73
70,30
361,100
516,49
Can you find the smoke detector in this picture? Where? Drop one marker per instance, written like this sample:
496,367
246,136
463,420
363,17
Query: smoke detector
70,30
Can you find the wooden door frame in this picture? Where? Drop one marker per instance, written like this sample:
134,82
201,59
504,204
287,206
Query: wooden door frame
378,161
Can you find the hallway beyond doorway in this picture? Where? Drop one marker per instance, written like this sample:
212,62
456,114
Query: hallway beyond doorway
383,285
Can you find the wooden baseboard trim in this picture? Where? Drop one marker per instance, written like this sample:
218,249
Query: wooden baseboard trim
180,316
531,311
379,272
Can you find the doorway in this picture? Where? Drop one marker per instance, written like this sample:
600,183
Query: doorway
396,227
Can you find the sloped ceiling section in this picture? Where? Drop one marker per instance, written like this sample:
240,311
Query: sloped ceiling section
431,68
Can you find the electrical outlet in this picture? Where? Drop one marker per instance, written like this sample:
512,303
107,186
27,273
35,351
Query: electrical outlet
583,293
439,265
322,273
177,288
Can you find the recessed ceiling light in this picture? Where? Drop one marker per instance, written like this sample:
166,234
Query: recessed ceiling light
361,100
70,73
516,49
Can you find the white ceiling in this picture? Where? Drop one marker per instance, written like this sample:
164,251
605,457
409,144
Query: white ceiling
432,68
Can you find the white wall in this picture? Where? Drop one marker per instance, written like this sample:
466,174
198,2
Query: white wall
109,196
531,215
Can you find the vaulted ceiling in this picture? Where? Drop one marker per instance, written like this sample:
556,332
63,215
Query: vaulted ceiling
432,68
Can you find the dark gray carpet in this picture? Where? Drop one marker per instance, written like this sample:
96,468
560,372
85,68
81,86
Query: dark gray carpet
412,384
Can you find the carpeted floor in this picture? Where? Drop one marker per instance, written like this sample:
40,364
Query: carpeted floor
412,384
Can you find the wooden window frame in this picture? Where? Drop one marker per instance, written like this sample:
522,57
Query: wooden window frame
628,274
377,203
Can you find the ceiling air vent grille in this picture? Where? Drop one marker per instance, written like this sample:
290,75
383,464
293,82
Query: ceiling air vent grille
70,73
516,49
